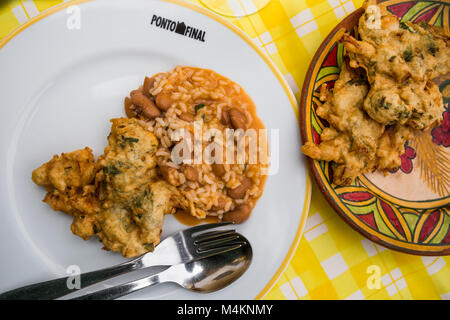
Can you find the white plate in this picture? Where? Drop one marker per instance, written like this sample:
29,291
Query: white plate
60,86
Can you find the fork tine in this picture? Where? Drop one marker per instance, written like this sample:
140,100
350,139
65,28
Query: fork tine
219,242
219,250
203,237
206,226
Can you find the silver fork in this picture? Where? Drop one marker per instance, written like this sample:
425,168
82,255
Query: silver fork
183,246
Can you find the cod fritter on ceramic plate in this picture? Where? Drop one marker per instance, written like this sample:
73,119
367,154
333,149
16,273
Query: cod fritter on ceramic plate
123,196
385,92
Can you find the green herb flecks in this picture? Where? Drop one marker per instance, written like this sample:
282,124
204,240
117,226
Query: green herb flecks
431,48
405,114
408,54
199,106
149,246
111,170
129,140
138,203
372,68
406,26
387,105
382,103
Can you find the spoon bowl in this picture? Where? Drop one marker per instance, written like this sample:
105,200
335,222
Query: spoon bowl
216,272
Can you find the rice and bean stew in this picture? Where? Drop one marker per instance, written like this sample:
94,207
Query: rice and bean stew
196,112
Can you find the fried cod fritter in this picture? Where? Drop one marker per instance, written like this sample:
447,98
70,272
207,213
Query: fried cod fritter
69,179
120,198
384,92
133,201
128,162
354,142
401,59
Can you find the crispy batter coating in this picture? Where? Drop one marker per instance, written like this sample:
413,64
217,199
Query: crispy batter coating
133,202
401,59
120,198
135,227
354,142
372,114
68,179
128,162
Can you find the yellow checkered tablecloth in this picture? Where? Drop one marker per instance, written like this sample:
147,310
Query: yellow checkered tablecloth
332,261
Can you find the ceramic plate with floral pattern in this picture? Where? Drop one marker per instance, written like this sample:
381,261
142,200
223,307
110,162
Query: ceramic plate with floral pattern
407,210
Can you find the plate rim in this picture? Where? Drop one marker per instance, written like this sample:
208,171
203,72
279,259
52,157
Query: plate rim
277,73
312,163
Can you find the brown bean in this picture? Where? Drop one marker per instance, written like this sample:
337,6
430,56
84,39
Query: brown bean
239,191
164,101
187,116
238,215
149,110
225,120
221,203
190,173
218,169
128,108
148,85
167,172
238,118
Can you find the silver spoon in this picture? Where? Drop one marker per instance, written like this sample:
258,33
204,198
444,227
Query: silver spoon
205,275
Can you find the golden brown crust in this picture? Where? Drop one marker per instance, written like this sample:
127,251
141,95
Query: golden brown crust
373,113
119,198
67,179
400,60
